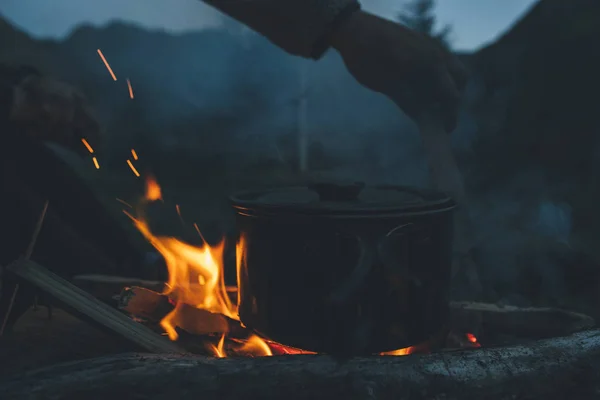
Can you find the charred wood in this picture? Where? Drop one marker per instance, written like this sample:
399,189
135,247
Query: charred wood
151,307
559,368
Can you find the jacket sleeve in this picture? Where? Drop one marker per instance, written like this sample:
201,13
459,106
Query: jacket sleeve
300,27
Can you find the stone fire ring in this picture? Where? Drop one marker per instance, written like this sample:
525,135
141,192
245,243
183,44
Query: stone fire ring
558,368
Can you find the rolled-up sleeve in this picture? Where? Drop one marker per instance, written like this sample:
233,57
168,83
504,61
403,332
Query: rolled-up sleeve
300,27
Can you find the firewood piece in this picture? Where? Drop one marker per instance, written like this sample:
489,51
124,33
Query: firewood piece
558,368
87,307
152,306
524,322
144,303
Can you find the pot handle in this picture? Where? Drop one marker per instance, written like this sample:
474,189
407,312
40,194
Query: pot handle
371,252
351,285
394,238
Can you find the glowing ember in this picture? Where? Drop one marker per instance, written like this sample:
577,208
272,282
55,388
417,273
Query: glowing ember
179,211
130,90
96,164
87,145
107,65
153,192
134,154
471,338
400,352
135,171
280,349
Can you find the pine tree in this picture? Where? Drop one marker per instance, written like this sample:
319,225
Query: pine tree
420,16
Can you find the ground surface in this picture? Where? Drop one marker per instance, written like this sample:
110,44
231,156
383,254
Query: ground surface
37,341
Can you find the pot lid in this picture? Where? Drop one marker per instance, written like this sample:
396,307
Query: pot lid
343,198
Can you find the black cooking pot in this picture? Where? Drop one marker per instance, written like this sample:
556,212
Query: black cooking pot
345,269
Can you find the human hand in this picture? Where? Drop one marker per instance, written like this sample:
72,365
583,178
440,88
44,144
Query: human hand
413,70
48,110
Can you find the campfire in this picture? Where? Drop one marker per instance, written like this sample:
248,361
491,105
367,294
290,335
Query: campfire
196,301
192,325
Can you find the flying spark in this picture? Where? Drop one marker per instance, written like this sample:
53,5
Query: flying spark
87,145
135,171
130,89
107,65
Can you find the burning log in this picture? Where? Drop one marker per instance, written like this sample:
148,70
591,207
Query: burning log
88,308
154,307
145,303
558,368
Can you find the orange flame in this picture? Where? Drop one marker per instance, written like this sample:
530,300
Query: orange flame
255,345
107,65
153,191
196,280
195,277
218,350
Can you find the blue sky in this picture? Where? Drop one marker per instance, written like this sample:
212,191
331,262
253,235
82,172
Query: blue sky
475,22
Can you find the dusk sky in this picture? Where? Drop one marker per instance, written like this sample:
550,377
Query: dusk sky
474,22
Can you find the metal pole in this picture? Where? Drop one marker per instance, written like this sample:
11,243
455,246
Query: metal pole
303,119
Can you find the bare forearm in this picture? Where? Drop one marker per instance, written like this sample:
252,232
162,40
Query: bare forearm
300,27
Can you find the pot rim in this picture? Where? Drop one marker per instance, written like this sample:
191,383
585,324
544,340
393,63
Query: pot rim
245,203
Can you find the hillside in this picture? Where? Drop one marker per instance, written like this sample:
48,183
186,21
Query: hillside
534,101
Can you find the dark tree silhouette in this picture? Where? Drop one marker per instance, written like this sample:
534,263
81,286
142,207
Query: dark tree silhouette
420,16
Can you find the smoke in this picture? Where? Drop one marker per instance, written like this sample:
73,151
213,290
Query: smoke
553,220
